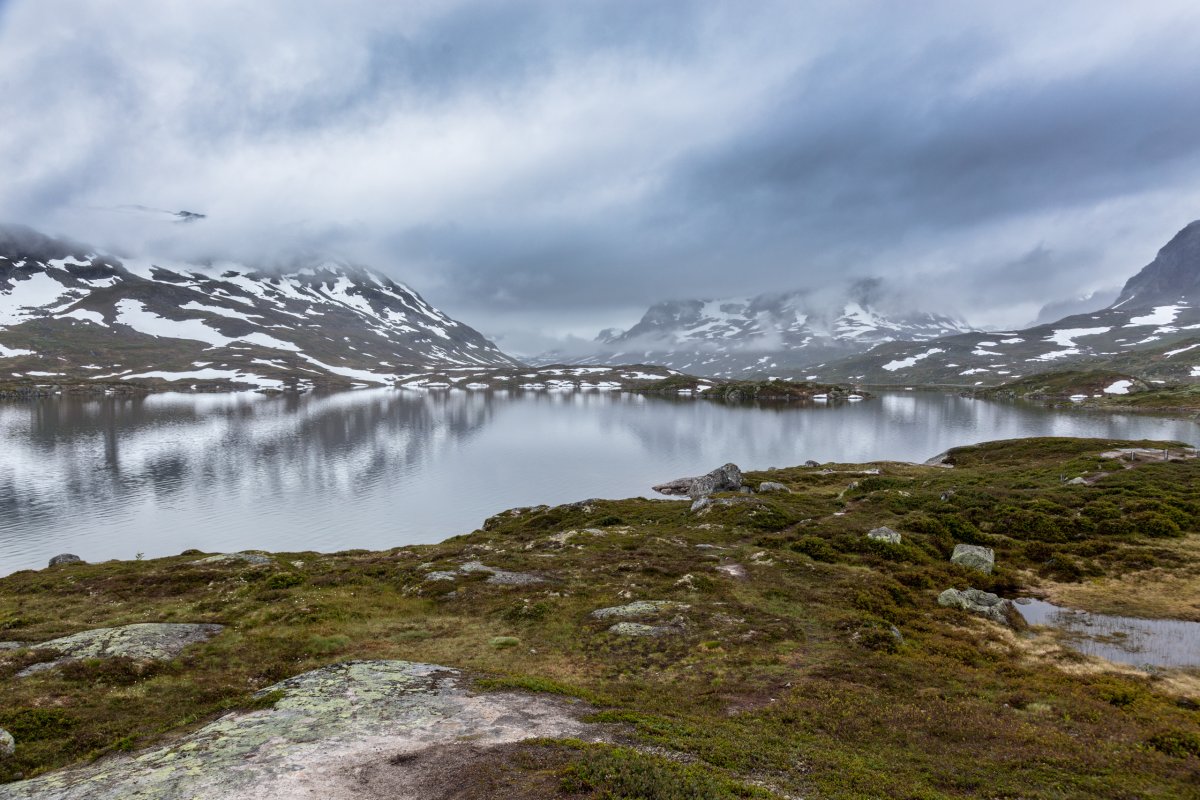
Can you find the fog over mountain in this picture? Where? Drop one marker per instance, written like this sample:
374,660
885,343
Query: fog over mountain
544,169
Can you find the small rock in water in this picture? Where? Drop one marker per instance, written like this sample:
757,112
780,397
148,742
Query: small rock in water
65,558
974,556
985,604
7,745
772,486
884,534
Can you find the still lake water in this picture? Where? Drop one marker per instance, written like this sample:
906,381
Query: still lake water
114,477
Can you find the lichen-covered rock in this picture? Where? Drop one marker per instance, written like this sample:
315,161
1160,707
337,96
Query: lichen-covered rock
884,534
727,478
500,576
7,745
639,629
331,733
974,556
701,503
11,645
985,604
257,559
144,641
638,608
65,558
773,486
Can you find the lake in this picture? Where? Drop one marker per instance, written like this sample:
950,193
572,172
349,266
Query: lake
114,477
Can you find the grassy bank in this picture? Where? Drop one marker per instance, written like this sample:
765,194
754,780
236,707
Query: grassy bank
796,656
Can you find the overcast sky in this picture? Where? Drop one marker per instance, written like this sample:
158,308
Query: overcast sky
542,168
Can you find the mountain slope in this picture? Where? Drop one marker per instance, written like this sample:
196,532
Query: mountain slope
68,313
771,332
1152,331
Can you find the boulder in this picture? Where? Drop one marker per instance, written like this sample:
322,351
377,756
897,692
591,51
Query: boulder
985,604
727,478
974,556
773,486
638,608
639,629
256,559
7,745
884,534
65,558
810,463
700,503
143,641
500,576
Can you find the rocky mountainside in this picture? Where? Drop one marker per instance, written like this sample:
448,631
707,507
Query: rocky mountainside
69,314
1152,331
777,333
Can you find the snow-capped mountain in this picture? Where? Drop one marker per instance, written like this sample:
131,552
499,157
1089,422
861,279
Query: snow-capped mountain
769,333
1151,331
71,315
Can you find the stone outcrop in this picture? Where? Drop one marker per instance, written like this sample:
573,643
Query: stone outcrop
985,604
352,731
7,745
637,608
773,486
255,559
884,534
975,557
727,478
65,558
145,641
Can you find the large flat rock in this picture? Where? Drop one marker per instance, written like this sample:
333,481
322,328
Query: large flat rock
331,727
143,641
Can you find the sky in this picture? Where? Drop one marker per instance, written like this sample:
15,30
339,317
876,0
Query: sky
548,169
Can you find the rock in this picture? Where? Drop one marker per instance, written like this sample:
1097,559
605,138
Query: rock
144,641
810,463
985,604
773,486
1077,482
639,629
974,556
727,478
361,729
11,645
65,558
500,576
637,608
258,559
441,576
700,504
7,745
736,571
884,534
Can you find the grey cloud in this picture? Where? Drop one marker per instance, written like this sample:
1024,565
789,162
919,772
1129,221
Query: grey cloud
538,167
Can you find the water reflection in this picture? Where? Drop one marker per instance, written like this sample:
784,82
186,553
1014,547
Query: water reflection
113,477
1126,640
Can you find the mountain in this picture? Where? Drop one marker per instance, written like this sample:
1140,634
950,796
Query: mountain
69,314
771,332
1152,331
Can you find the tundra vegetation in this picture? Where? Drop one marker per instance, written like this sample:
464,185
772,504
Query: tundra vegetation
786,652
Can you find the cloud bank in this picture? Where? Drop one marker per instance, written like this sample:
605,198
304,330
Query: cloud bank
539,168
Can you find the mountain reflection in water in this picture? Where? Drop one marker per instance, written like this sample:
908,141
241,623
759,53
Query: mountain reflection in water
112,477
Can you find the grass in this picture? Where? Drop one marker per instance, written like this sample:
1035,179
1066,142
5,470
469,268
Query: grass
789,678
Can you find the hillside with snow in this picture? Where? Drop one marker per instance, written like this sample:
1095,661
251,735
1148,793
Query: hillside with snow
1152,331
765,334
69,314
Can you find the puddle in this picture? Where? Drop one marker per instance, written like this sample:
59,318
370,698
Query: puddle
1127,640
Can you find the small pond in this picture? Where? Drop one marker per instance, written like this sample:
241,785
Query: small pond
1126,640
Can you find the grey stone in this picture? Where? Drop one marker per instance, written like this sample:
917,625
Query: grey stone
144,641
500,576
65,558
257,559
11,645
441,576
733,570
1077,482
773,486
637,608
884,534
810,463
7,745
639,629
701,503
977,601
338,732
974,556
727,478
